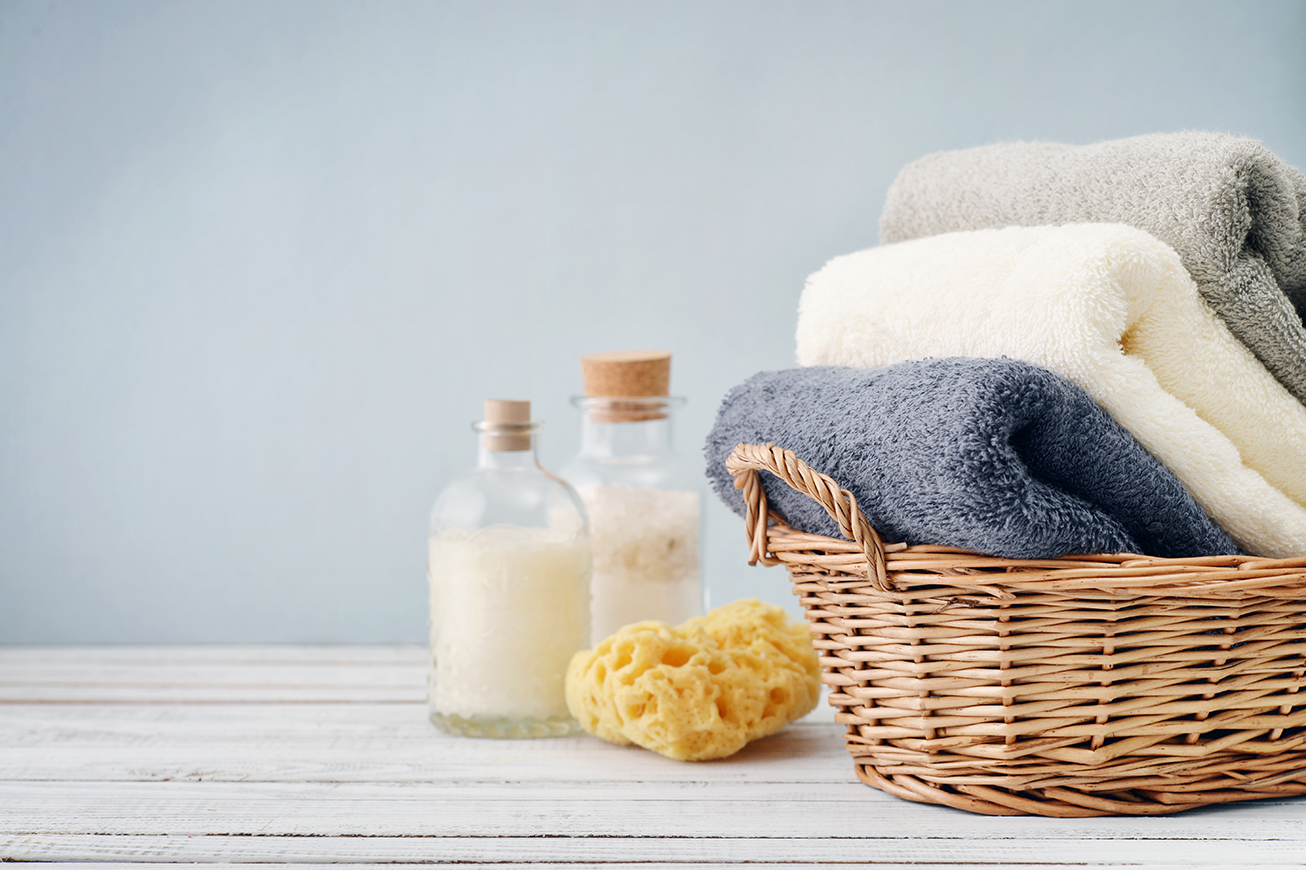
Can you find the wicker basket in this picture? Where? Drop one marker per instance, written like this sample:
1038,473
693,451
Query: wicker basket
1080,686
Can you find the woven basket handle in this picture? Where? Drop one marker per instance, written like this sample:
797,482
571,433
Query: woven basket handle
746,460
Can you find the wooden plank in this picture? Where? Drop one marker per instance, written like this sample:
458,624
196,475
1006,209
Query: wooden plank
270,765
214,679
214,673
584,810
154,655
801,753
348,742
221,674
92,693
211,724
658,865
644,865
658,851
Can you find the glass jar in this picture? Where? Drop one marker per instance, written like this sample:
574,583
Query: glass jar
509,573
644,505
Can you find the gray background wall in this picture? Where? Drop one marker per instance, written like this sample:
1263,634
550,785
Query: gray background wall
260,262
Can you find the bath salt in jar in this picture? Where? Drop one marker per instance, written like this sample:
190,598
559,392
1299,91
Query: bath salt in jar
643,501
509,571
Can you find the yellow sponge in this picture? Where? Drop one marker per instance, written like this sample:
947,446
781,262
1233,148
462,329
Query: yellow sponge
700,690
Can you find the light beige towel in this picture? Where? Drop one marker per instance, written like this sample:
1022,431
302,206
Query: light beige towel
1112,309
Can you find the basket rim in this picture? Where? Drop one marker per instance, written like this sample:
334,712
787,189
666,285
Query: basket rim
897,567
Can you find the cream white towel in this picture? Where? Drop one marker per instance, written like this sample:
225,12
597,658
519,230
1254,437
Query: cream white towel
1112,309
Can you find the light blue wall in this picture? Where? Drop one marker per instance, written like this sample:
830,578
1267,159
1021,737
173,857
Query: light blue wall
261,261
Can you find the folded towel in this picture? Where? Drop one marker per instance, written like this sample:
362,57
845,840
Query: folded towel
1109,307
1235,213
994,455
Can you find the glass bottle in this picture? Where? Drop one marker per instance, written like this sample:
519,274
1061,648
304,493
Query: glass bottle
509,574
643,501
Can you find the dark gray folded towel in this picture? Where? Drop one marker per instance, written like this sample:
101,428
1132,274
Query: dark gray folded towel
993,455
1234,212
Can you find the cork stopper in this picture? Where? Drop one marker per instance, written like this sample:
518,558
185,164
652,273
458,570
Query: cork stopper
631,374
627,373
507,426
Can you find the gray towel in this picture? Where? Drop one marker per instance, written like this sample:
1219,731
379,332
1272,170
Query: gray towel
994,455
1234,212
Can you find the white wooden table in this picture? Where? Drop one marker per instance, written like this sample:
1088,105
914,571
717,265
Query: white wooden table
295,754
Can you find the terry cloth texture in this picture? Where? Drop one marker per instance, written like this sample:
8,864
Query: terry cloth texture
1109,307
1234,212
994,455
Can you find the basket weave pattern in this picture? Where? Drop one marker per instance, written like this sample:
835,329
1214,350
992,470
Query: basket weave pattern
1080,686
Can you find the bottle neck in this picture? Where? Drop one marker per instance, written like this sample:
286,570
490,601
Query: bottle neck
616,427
641,438
507,445
493,455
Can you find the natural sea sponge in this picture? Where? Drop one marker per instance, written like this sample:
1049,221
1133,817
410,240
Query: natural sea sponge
700,690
